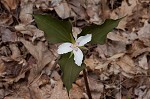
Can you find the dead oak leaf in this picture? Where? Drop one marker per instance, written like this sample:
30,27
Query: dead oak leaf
127,64
40,52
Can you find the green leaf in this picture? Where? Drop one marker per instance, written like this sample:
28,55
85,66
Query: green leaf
56,31
70,70
99,32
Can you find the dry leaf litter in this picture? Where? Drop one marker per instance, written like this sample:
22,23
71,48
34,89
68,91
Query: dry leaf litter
118,69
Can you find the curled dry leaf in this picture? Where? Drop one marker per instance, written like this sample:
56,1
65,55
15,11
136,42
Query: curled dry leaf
30,30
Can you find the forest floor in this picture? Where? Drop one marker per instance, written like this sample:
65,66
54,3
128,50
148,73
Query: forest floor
118,69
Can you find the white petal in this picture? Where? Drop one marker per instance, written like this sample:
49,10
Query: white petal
78,56
64,48
75,32
82,40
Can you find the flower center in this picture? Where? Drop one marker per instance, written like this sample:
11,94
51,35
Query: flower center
74,46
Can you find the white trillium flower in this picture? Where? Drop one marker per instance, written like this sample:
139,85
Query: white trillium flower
68,47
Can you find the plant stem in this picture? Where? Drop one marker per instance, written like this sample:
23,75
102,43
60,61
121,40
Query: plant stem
87,84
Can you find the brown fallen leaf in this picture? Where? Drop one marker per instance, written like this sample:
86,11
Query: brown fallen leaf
102,51
92,11
123,10
140,51
91,62
41,89
143,62
15,51
41,53
141,92
10,4
116,47
127,64
63,10
30,30
7,35
59,92
55,2
144,34
118,36
96,87
78,9
6,19
76,92
13,69
147,95
25,13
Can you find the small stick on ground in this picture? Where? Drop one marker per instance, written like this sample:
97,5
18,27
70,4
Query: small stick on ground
87,84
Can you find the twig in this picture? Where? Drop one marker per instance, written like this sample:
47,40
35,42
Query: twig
87,84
